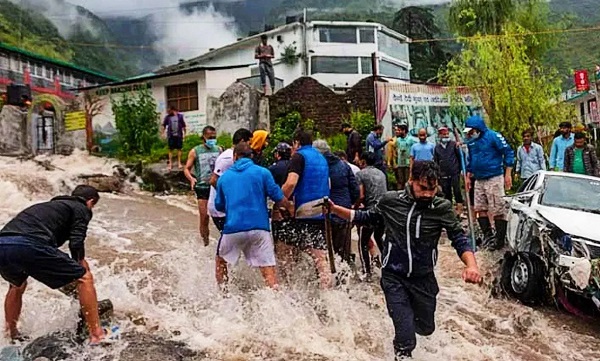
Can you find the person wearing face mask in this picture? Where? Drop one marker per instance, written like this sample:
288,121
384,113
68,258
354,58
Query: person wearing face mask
447,157
560,145
202,160
413,220
530,157
490,161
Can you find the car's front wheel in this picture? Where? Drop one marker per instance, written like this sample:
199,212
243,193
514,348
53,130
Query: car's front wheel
523,278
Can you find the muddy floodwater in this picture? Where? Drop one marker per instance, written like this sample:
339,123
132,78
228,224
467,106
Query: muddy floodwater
147,258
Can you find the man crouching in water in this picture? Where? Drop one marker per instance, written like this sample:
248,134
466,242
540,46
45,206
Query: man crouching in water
308,183
413,221
29,247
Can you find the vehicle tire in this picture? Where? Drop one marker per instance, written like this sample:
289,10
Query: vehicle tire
523,278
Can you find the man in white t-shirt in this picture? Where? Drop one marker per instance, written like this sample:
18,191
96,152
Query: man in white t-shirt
222,164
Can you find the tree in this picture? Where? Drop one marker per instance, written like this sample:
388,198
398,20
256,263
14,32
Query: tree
92,105
426,57
515,92
137,122
469,18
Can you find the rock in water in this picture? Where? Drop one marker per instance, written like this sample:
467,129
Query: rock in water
138,346
158,179
104,183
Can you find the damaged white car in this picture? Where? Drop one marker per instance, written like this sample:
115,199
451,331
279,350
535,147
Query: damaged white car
554,239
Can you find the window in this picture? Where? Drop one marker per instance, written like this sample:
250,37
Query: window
50,73
367,35
337,35
183,96
365,66
4,63
387,68
393,47
334,65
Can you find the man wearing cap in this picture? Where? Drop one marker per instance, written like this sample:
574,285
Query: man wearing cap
260,140
279,169
490,161
447,157
560,145
29,248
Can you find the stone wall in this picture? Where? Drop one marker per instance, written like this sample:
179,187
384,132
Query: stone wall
15,131
240,106
321,104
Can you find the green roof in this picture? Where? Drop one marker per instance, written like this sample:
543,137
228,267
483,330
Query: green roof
55,61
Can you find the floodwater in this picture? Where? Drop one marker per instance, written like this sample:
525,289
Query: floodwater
146,257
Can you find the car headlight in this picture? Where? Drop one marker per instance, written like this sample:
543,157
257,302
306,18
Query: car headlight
585,249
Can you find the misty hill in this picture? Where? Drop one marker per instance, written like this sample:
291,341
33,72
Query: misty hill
85,40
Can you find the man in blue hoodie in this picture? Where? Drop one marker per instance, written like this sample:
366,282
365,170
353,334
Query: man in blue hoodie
490,162
413,220
242,194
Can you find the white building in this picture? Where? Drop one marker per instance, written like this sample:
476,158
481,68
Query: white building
336,53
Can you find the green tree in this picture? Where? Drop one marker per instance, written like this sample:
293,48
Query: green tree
137,122
515,92
426,57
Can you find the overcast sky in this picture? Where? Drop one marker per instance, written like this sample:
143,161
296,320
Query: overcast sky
143,7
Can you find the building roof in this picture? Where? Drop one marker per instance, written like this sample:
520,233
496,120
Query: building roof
255,38
152,76
56,62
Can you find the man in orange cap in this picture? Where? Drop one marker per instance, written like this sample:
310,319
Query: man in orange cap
260,140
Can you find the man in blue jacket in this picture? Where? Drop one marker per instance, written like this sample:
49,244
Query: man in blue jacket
242,194
413,221
490,162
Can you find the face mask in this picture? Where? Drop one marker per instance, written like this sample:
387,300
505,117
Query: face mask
211,142
445,140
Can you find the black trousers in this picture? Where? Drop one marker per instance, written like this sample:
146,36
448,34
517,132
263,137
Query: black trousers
340,236
411,304
451,187
365,236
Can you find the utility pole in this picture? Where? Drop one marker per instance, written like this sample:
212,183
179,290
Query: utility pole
375,72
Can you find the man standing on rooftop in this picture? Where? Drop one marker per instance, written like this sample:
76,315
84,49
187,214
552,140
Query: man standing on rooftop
264,53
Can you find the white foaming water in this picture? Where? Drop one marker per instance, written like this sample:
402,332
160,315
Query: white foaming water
146,257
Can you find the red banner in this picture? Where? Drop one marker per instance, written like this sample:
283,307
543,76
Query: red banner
582,82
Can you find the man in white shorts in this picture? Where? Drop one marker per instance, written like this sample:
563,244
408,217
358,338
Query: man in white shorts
242,194
224,162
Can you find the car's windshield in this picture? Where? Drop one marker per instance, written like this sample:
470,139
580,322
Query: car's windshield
571,193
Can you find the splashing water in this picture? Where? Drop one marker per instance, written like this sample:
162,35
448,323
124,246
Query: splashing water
146,257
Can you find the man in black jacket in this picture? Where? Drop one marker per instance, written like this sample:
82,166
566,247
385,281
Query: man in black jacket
447,156
413,220
29,247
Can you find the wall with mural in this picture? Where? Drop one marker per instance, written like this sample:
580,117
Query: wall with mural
420,106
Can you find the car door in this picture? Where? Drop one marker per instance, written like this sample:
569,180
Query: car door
522,199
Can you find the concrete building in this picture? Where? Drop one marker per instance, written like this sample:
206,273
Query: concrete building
191,90
336,53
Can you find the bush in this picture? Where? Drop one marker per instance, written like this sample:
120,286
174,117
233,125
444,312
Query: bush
362,122
137,122
283,131
337,142
225,141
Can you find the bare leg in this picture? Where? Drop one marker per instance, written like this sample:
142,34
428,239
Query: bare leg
320,258
170,163
179,165
270,276
221,272
89,306
459,209
203,221
285,257
12,308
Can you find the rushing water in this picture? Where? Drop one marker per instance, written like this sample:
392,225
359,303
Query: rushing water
146,257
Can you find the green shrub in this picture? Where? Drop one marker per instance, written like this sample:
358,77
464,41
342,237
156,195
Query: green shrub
137,122
225,141
337,142
362,122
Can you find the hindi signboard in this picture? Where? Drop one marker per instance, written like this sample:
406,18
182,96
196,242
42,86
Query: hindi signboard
74,121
